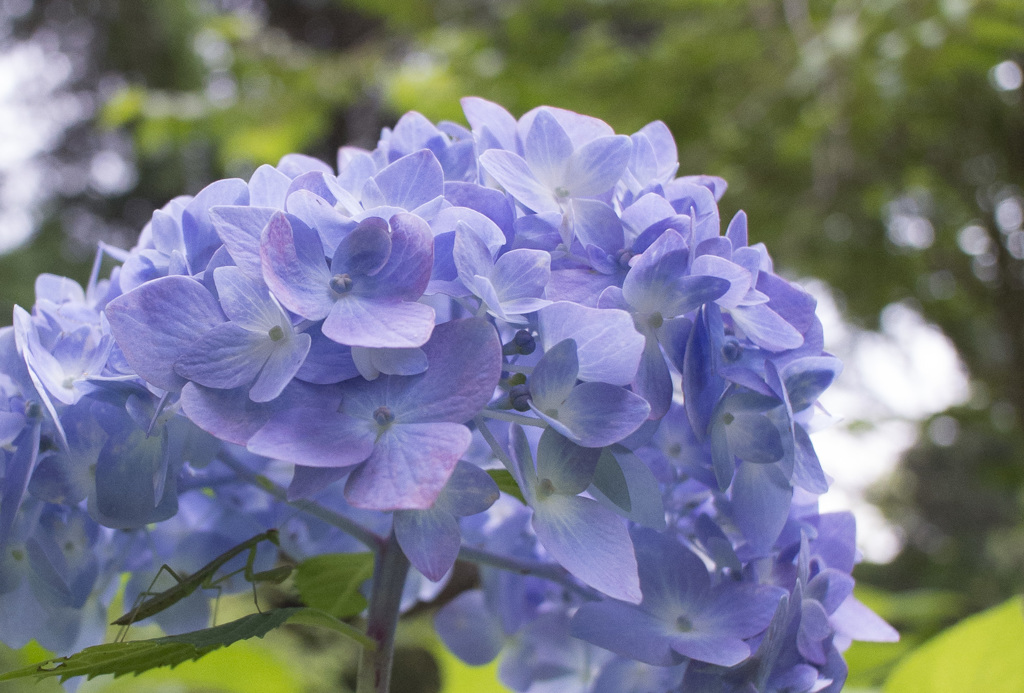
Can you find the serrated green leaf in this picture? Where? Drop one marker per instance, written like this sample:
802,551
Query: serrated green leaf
507,483
135,657
331,582
982,653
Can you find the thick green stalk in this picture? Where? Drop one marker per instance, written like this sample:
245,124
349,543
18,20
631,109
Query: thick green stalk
390,570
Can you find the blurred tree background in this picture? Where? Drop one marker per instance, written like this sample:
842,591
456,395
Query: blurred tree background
875,144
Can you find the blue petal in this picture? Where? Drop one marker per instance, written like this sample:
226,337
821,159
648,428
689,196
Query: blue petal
411,181
240,229
547,149
597,166
607,344
295,269
227,356
761,497
567,466
155,323
314,438
469,630
554,376
430,539
600,414
591,542
514,175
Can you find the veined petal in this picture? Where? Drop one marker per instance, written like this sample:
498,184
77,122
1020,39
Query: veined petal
514,175
240,229
409,466
358,321
547,149
607,344
314,437
412,180
596,166
591,542
430,538
247,303
281,366
156,322
600,414
520,274
554,376
295,269
227,356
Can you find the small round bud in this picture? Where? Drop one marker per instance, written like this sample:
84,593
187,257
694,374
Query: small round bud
341,283
517,379
732,350
33,410
519,395
522,343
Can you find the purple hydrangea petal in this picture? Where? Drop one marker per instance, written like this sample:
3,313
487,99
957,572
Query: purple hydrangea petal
268,187
201,239
653,381
597,166
372,362
623,480
600,414
855,621
357,321
738,277
471,254
713,648
608,346
470,490
430,538
307,482
247,303
522,274
314,438
228,414
514,175
597,224
295,269
239,229
547,149
408,467
606,623
281,366
766,328
155,323
567,467
761,497
407,272
469,629
591,542
227,356
808,377
365,250
554,376
411,181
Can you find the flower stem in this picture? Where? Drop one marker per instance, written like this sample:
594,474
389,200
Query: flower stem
390,570
513,417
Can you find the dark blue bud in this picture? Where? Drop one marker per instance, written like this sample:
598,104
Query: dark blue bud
33,410
522,343
519,395
732,350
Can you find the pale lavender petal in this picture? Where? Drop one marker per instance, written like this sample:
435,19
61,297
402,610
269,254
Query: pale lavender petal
469,629
281,366
607,344
247,303
761,498
309,481
567,466
591,542
228,414
268,187
600,414
737,230
513,174
155,323
409,466
595,223
407,272
622,479
240,229
765,328
470,490
390,361
471,254
464,358
327,361
227,356
314,438
554,376
412,180
295,269
448,220
481,114
521,273
713,648
430,539
738,277
597,166
358,321
653,381
606,623
580,128
547,149
201,238
808,377
365,250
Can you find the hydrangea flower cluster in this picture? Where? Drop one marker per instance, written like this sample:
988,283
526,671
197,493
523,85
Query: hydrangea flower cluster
537,300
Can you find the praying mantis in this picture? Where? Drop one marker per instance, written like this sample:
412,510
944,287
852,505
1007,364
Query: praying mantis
205,578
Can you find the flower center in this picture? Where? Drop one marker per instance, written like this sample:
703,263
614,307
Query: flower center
684,624
655,320
732,351
341,283
383,416
276,334
545,488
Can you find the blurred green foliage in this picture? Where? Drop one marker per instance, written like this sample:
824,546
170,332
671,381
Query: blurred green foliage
872,143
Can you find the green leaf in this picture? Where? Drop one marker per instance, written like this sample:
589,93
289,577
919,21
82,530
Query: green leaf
137,656
507,483
331,582
982,653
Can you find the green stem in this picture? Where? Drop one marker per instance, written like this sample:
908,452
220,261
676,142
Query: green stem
547,571
390,570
